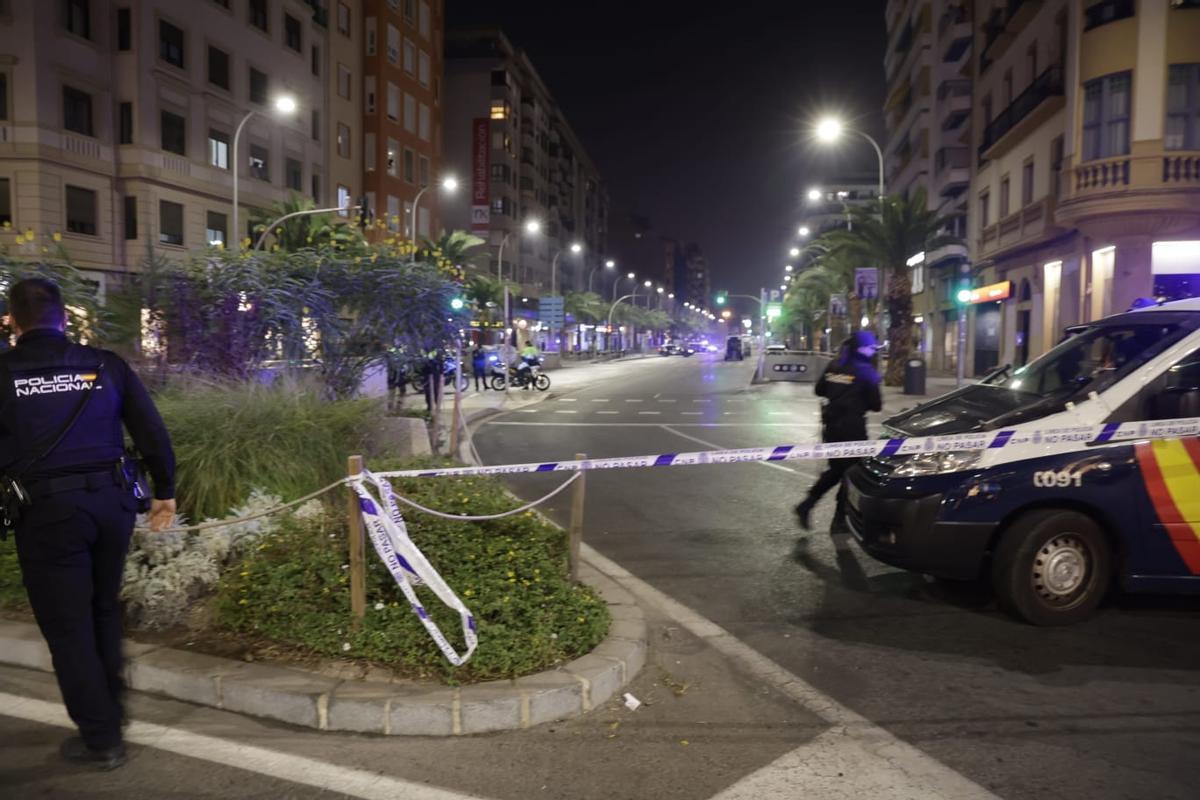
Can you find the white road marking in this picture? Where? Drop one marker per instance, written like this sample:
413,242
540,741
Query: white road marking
259,760
855,758
633,400
608,412
566,412
730,413
691,413
705,400
770,464
526,410
567,399
604,400
666,401
649,413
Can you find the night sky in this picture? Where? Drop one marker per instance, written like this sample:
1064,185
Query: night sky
699,120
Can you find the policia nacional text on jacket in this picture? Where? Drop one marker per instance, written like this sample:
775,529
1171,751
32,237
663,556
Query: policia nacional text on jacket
72,539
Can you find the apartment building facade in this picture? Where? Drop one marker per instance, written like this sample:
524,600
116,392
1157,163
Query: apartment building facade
119,118
521,161
342,118
1086,189
403,52
928,109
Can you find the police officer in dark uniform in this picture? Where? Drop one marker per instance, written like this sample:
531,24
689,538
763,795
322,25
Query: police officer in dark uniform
73,534
850,386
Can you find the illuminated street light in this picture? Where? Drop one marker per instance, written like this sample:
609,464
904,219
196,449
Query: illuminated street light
787,268
610,264
576,247
449,184
631,276
533,226
795,251
830,129
815,195
804,231
285,104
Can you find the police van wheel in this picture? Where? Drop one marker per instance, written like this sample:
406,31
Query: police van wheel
1052,567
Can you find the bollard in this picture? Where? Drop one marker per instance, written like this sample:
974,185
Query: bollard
575,532
358,566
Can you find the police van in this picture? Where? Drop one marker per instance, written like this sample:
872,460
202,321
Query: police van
1052,525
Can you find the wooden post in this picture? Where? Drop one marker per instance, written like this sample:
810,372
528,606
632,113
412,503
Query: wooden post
358,567
575,532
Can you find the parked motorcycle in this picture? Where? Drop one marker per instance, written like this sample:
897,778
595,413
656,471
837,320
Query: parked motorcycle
519,377
449,366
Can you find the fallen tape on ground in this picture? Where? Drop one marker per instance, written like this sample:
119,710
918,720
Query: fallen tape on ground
1107,433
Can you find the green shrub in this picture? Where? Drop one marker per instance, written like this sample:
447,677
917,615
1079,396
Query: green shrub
231,437
293,590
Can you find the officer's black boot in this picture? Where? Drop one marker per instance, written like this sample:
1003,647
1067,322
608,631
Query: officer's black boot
74,749
804,511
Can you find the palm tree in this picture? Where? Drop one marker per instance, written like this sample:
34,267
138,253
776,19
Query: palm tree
457,247
305,230
585,307
887,239
487,295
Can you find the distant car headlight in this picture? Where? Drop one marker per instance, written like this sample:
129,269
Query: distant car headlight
712,348
937,463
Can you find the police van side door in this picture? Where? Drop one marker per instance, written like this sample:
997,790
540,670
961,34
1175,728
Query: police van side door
1168,543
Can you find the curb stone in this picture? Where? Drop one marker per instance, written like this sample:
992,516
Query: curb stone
314,700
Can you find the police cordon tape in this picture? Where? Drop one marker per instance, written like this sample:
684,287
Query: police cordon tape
1106,433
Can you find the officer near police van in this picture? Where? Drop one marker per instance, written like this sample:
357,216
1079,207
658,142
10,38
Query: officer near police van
850,388
71,495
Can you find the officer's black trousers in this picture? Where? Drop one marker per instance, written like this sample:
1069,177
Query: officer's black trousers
829,479
72,549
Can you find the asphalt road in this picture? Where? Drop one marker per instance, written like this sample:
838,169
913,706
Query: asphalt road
1107,709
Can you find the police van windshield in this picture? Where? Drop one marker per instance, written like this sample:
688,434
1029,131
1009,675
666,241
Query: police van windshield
1093,359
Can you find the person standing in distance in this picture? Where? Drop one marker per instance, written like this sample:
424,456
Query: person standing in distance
850,387
73,536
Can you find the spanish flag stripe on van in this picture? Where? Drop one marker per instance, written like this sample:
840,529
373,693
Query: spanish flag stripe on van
1172,480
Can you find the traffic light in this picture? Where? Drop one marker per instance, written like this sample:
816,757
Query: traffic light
722,298
457,303
964,296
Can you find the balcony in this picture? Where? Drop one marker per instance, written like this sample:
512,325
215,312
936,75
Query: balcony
952,170
1151,190
954,33
1002,27
1032,107
1025,227
954,103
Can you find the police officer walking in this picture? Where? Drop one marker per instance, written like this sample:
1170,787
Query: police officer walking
62,406
850,386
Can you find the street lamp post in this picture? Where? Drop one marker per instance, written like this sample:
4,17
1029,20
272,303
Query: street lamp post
284,104
830,129
617,284
576,248
449,183
532,227
306,212
609,264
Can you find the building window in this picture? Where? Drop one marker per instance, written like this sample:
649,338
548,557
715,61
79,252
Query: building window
170,43
344,79
215,229
1027,183
423,171
343,200
170,222
410,12
369,152
316,187
1098,14
343,140
425,123
1004,197
174,133
499,109
393,45
218,149
369,25
124,29
316,61
426,21
257,12
393,158
393,101
1183,107
315,125
369,93
3,96
218,68
1056,159
293,173
423,68
410,57
410,166
77,111
410,113
343,19
292,33
77,17
81,210
985,211
259,168
130,203
5,202
258,86
125,123
1106,116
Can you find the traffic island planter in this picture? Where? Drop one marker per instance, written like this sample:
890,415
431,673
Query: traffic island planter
317,700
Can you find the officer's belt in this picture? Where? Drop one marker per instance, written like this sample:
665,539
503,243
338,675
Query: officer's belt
71,483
